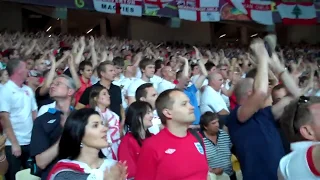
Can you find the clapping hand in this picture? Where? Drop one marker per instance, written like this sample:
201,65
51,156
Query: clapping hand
117,172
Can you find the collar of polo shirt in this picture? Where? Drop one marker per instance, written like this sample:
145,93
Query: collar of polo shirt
54,110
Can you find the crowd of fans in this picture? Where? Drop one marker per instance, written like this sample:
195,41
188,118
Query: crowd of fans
110,109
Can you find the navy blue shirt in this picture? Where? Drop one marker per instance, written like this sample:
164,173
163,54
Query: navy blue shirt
257,144
46,132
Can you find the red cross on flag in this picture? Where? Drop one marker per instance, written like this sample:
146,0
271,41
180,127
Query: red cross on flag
297,13
199,10
123,7
259,11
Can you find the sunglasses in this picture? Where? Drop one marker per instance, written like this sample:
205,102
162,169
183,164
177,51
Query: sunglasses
302,100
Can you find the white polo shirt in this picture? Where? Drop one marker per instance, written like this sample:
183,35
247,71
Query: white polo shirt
296,165
134,86
124,83
19,102
212,100
165,85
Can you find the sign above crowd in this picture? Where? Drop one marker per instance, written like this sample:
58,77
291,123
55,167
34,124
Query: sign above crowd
263,12
123,7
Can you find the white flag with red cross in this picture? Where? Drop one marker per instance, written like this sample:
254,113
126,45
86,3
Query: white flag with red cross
259,11
199,10
123,7
297,13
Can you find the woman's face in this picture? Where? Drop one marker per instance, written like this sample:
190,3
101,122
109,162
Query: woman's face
147,119
4,77
104,98
95,135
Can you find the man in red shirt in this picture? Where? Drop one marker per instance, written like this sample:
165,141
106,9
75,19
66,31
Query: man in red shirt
174,153
85,68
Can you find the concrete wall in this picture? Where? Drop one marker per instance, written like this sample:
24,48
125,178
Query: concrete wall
10,16
189,32
309,34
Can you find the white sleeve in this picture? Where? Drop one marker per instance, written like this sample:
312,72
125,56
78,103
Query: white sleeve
162,87
5,100
295,166
132,89
215,102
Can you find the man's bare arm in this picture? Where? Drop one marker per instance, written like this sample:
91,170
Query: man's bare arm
260,86
46,157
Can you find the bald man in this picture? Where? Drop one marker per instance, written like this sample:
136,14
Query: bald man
252,126
211,99
168,76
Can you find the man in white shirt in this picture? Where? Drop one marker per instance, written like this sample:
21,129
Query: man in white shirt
148,93
168,76
301,124
211,99
18,109
147,69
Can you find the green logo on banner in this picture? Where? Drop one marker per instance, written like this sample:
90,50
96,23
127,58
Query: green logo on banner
79,3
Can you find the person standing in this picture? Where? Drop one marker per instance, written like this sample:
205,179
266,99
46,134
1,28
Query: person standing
252,125
174,146
18,109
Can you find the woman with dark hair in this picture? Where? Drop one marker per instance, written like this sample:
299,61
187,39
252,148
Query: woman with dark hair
138,120
83,137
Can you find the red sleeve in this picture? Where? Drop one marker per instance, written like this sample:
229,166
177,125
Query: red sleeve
147,163
310,161
128,152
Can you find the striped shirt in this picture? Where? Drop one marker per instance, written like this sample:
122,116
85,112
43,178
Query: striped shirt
219,155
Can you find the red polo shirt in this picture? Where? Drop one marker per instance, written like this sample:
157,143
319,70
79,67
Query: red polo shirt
129,151
166,156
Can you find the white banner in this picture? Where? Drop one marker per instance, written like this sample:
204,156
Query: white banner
123,7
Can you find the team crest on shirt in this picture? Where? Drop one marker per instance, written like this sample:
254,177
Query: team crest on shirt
27,93
199,147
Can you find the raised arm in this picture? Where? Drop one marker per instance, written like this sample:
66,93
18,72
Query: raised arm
288,82
203,73
260,86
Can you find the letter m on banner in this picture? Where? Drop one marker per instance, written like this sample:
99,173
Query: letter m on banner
123,7
199,10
